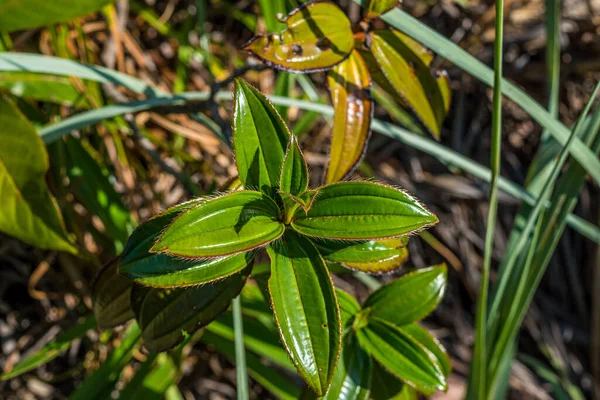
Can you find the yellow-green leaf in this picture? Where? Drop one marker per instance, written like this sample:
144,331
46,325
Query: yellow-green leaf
405,65
350,87
318,36
29,212
377,7
24,14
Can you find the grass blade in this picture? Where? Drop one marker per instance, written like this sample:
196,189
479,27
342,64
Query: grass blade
240,352
478,383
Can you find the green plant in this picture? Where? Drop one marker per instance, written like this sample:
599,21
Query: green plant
319,37
214,240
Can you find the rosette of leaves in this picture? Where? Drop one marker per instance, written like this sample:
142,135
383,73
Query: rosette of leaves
189,262
319,37
386,352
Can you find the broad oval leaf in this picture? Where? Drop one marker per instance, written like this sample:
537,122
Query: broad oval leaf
305,308
29,212
369,256
225,225
165,316
405,65
165,271
404,357
352,378
377,7
420,334
362,211
318,36
410,298
111,294
350,87
24,14
260,139
349,307
294,173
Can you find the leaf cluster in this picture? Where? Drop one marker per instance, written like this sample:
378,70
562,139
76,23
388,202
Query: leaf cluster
187,263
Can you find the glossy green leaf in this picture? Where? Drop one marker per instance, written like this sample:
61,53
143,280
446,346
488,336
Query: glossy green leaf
29,212
405,65
305,200
305,308
400,354
260,138
318,36
362,211
294,173
165,314
410,298
420,334
368,256
377,7
229,224
25,14
349,307
52,350
350,87
352,378
165,271
49,88
111,296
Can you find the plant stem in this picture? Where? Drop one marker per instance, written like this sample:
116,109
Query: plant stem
240,352
479,380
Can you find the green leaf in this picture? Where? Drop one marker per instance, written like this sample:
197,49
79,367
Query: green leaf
410,298
377,7
29,212
362,211
368,256
49,88
25,14
225,225
420,335
305,308
165,271
294,173
165,314
352,378
318,36
350,87
349,307
405,64
52,350
260,138
111,295
400,354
